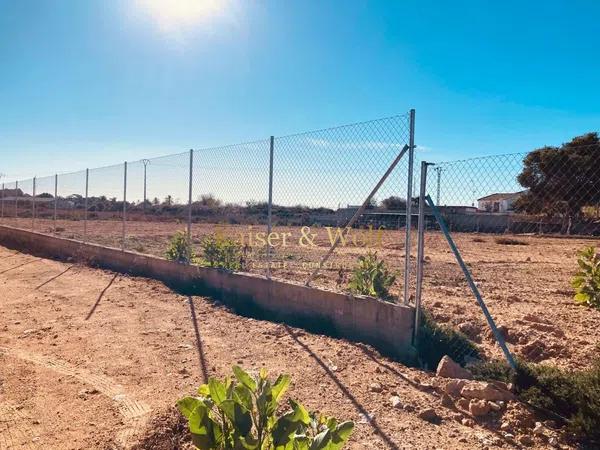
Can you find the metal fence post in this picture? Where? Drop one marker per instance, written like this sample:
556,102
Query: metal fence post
470,282
16,201
145,162
420,248
2,208
439,182
270,206
411,154
33,207
124,205
55,199
85,204
189,219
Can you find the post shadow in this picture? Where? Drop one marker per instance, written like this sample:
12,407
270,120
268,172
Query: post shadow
112,280
199,345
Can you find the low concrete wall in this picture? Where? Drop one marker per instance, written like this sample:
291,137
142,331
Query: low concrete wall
386,326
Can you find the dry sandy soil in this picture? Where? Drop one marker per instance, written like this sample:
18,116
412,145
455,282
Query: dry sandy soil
89,357
526,287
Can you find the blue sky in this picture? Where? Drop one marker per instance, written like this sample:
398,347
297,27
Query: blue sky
96,82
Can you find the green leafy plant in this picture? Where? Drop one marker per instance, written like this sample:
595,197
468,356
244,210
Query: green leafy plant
371,277
223,252
241,413
586,281
179,249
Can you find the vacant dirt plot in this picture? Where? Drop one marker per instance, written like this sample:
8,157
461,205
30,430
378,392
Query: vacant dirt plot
88,357
526,286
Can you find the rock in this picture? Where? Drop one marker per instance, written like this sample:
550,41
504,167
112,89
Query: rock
495,406
539,429
485,391
429,415
449,369
395,402
479,408
463,404
526,440
375,387
553,442
446,401
505,426
453,387
468,422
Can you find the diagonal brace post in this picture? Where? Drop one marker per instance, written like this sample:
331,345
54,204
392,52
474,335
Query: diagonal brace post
472,285
356,215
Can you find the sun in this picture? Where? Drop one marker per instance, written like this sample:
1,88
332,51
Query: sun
172,15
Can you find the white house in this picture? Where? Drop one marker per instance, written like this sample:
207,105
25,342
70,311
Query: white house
498,203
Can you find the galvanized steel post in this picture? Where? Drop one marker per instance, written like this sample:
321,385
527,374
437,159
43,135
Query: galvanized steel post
55,199
270,206
190,182
33,207
124,205
85,205
420,248
411,154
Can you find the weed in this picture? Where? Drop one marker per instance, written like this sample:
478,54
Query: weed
434,341
587,279
372,277
241,413
573,395
179,249
222,252
510,241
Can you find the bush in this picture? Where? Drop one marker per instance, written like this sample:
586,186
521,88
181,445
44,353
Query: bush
372,277
179,249
587,280
434,341
574,395
222,252
241,413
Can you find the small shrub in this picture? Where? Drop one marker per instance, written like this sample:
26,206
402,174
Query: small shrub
241,413
510,241
222,252
372,277
435,340
573,395
587,279
179,249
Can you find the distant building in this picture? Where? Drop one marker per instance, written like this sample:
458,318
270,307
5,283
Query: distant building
499,202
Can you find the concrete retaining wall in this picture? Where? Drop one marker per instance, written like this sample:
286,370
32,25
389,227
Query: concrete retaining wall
384,325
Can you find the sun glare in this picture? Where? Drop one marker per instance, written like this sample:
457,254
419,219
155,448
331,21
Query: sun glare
173,15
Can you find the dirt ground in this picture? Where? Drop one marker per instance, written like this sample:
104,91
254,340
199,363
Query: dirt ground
526,287
89,357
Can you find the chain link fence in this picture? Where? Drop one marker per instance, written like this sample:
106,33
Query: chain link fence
284,201
510,216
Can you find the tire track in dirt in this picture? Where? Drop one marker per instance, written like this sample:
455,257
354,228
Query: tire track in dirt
134,412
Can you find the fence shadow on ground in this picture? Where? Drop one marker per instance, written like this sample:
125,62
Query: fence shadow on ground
112,280
199,345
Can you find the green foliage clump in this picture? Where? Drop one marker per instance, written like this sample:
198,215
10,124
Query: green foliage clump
435,340
573,395
179,249
372,277
241,413
222,252
587,279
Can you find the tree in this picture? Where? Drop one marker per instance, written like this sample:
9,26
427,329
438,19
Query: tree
560,181
393,202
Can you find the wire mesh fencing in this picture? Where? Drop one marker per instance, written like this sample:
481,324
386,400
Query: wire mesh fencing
282,204
509,216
